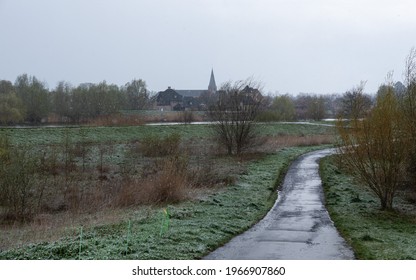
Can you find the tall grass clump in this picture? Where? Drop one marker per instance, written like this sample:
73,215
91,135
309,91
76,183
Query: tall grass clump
168,184
164,179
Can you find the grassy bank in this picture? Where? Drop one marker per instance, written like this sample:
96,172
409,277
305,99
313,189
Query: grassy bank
372,233
193,228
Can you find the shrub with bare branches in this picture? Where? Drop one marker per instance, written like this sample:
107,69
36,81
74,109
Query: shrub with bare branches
153,146
234,115
20,192
167,185
374,149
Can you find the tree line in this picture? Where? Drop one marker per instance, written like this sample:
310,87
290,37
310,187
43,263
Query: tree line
309,106
28,100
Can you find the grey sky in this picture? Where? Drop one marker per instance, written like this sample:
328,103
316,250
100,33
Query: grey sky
320,46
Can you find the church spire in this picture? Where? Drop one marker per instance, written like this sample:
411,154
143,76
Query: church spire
212,87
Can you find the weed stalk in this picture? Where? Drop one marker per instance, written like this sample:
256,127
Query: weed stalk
128,236
165,222
80,244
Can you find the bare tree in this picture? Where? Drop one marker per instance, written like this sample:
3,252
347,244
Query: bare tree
409,108
284,107
234,113
310,107
137,95
355,104
34,96
410,67
316,108
409,100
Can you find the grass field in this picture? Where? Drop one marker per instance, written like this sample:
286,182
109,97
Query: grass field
373,234
101,196
195,227
115,134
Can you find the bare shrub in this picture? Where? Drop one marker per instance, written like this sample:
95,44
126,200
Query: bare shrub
153,146
18,187
408,104
167,185
234,115
374,149
203,175
103,165
81,198
73,198
82,149
355,103
411,166
170,183
130,193
43,220
199,147
187,117
68,148
49,164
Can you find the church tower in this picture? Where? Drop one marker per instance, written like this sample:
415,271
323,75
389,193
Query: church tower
212,87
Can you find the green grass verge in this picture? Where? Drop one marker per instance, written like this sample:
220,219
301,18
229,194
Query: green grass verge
373,234
195,227
123,134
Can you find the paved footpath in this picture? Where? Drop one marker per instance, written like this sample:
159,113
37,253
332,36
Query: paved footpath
297,227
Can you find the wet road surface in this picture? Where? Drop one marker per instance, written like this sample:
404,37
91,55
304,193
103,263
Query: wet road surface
297,227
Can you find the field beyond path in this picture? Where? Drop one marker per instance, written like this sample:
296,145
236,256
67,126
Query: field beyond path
98,184
297,227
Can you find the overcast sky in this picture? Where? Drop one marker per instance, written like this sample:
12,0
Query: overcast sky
291,46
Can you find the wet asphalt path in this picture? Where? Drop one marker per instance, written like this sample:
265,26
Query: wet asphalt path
297,227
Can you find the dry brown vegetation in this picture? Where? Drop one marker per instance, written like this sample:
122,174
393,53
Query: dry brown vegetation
274,143
101,192
87,183
104,202
174,116
117,119
79,179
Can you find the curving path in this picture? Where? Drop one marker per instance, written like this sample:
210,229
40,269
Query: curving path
297,227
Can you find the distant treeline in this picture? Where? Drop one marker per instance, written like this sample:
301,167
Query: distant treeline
28,100
351,104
